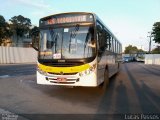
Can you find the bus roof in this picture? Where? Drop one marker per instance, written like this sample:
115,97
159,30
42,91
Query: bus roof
67,13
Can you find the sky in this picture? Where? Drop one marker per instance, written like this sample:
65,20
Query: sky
129,20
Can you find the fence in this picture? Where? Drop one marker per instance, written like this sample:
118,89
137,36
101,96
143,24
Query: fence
152,59
17,55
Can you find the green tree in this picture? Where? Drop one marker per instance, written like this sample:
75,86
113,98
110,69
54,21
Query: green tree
156,32
141,51
130,49
2,27
5,31
156,50
20,25
35,37
34,30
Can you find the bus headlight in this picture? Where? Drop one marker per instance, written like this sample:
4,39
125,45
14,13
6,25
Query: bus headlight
88,71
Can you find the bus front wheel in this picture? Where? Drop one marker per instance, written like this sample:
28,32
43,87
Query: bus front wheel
105,84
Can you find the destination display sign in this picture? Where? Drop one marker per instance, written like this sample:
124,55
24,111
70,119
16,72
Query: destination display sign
71,18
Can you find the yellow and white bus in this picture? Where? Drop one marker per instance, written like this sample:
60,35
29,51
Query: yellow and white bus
76,49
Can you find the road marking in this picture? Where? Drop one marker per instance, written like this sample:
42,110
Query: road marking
4,76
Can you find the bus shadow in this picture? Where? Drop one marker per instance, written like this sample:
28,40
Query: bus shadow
122,104
87,96
146,97
156,72
154,99
115,100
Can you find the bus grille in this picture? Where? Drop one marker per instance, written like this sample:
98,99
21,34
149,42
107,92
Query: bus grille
68,81
62,82
63,73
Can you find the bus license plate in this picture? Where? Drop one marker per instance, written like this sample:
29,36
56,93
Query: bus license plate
61,79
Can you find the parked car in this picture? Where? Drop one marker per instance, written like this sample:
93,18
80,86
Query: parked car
127,59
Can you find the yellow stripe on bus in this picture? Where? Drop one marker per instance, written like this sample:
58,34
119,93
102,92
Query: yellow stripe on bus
64,69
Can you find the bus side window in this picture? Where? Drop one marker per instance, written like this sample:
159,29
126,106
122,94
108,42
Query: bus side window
110,44
101,37
117,47
105,41
108,37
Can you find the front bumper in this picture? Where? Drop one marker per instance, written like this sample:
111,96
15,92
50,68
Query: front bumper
89,80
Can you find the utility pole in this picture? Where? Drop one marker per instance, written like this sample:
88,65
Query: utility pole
150,42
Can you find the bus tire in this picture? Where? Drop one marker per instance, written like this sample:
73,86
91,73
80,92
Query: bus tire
105,84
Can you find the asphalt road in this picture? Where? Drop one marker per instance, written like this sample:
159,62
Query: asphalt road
134,90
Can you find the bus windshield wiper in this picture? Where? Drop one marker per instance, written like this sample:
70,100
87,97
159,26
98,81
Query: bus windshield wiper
73,35
52,34
54,37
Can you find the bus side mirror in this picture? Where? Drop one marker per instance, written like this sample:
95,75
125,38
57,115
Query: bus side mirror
35,40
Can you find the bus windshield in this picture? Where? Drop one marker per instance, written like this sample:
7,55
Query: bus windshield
67,43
